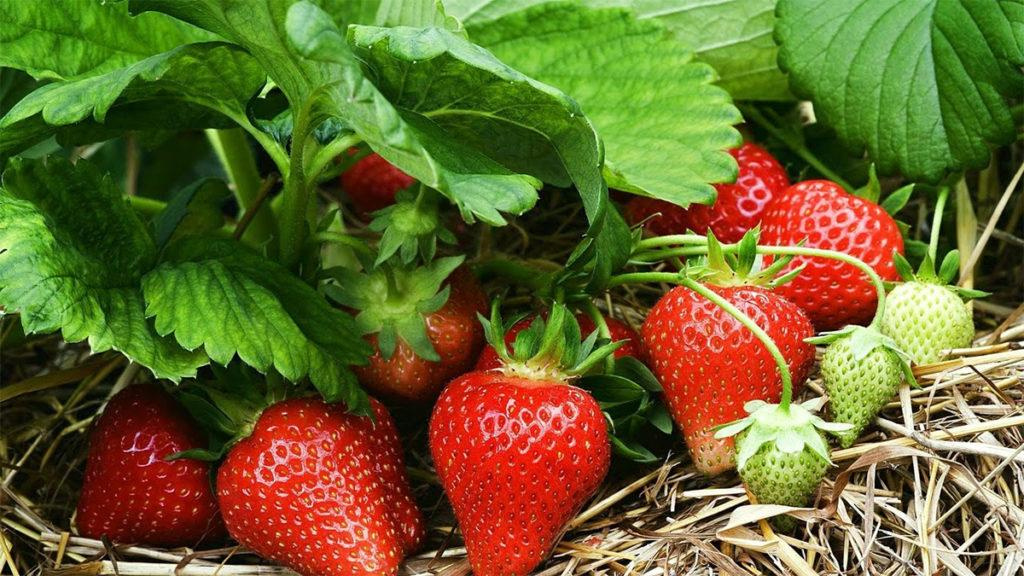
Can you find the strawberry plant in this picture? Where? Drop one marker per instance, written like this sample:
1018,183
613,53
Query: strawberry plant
259,238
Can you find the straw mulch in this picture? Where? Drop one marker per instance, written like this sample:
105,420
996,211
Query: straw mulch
936,486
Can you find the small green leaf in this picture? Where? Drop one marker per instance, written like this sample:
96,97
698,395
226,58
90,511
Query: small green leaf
923,86
632,449
660,418
72,252
950,266
897,200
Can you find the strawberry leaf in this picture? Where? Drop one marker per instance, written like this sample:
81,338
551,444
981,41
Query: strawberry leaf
72,253
734,36
228,300
922,86
634,89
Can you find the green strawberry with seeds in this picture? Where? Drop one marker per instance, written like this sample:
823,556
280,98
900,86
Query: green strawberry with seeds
926,316
862,369
781,453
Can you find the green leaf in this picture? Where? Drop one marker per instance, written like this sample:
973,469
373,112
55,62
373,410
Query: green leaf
733,36
68,39
219,295
449,84
632,449
71,255
416,13
921,85
215,76
664,125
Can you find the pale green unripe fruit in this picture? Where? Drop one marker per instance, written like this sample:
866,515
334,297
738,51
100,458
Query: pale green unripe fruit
924,319
858,389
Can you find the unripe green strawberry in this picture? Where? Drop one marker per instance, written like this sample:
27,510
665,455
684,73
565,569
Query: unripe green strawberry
779,477
926,319
925,315
781,452
862,370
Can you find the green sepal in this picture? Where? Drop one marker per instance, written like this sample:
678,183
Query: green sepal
871,191
895,202
737,268
865,339
392,301
950,267
947,273
791,429
410,227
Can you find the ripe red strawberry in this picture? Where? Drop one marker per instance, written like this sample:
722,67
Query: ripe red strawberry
423,335
131,493
710,365
619,330
832,293
519,452
738,208
321,491
372,182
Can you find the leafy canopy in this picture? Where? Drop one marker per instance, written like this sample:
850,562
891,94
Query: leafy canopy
922,85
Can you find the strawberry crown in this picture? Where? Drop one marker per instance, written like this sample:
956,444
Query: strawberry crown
393,301
926,273
792,429
410,227
547,349
738,267
863,340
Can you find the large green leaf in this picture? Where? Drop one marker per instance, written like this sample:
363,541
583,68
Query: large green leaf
228,300
921,84
664,125
72,253
179,83
734,36
66,39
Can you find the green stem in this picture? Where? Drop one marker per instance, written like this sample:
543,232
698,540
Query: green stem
326,155
235,154
940,206
297,196
146,206
773,349
513,271
653,255
602,330
752,113
672,240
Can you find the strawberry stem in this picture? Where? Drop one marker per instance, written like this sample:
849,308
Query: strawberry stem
602,330
773,349
697,246
940,206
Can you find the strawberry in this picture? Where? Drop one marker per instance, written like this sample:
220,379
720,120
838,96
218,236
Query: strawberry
862,369
520,450
423,335
821,214
782,454
710,365
619,331
321,491
131,491
926,316
737,209
372,183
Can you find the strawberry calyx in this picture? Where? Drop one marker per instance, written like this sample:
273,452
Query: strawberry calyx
410,227
926,273
393,301
550,349
791,428
863,340
737,267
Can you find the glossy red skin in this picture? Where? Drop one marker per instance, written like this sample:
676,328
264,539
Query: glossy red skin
130,493
321,491
372,182
710,365
832,293
457,336
737,209
518,458
618,330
